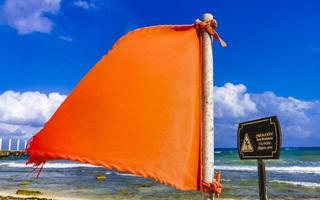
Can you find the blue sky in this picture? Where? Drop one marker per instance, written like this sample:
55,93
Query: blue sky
271,65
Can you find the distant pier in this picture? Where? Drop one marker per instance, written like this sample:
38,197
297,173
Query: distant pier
12,153
10,150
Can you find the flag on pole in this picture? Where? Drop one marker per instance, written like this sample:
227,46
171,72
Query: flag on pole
137,110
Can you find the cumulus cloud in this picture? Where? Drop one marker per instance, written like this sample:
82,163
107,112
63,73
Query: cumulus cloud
28,108
233,101
31,15
22,114
290,108
84,4
299,119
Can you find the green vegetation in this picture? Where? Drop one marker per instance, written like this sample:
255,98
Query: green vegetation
143,185
29,192
25,183
101,177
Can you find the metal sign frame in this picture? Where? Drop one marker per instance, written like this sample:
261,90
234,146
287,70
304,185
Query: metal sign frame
251,129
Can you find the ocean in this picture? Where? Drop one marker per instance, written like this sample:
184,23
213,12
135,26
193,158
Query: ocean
296,175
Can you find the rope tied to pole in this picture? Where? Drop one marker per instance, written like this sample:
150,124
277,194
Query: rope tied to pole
210,26
215,187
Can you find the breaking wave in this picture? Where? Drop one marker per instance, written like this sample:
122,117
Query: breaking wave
296,183
248,168
47,165
287,169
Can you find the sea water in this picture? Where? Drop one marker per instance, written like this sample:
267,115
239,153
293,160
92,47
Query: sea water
296,174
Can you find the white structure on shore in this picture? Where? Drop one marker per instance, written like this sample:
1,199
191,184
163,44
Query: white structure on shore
10,145
18,144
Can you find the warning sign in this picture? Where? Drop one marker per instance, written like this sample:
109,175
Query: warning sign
246,144
259,139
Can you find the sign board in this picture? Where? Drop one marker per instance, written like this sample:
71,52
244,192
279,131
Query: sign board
259,139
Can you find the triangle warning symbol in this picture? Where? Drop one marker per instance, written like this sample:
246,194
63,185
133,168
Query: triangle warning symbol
246,144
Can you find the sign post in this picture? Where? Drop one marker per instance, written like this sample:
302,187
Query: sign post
262,179
260,139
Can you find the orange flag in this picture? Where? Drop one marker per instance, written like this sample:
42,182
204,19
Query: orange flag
137,110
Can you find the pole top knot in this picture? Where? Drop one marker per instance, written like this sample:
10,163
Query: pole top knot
210,26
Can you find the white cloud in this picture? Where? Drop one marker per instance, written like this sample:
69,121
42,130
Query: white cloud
233,101
17,131
290,107
294,106
28,108
23,113
66,38
28,16
84,4
299,119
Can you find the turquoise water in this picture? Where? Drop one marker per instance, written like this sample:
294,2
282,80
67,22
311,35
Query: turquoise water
296,174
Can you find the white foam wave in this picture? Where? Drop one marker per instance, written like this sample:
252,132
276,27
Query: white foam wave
217,152
60,166
282,169
296,183
47,165
291,149
289,169
123,174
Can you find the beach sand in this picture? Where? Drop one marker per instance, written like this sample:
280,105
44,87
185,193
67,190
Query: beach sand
12,196
17,197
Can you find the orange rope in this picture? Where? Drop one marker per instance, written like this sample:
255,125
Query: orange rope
210,26
215,187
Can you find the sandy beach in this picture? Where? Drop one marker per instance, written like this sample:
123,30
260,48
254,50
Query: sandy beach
10,196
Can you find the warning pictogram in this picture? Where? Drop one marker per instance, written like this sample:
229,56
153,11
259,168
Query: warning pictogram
246,144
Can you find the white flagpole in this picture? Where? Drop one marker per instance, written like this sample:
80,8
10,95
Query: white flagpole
0,144
25,145
18,144
9,146
207,109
